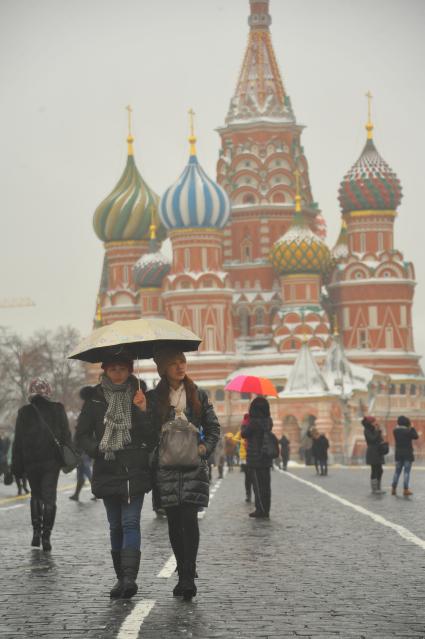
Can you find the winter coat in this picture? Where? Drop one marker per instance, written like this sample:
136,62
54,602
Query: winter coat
253,432
34,449
404,436
128,474
285,445
374,440
191,486
320,447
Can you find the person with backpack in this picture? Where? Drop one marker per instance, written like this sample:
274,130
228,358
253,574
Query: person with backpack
262,448
179,410
404,434
319,450
35,455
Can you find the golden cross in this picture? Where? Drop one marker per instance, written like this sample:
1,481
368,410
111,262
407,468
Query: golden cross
369,105
191,113
130,111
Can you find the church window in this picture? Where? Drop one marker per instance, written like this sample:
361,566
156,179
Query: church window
373,316
412,389
380,241
244,322
362,338
402,389
389,337
259,316
219,395
246,249
403,316
187,259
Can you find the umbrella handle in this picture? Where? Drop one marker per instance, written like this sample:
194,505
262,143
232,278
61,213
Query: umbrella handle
138,371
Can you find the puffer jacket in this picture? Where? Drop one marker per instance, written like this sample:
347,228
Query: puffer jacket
191,486
34,449
374,440
253,432
128,474
404,435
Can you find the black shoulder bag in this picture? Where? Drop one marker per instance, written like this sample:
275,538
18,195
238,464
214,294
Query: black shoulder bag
69,457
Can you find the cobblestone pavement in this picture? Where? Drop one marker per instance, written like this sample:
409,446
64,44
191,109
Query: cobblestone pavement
318,569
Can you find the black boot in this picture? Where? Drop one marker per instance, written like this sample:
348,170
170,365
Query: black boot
117,588
36,520
49,514
188,584
178,588
76,495
130,562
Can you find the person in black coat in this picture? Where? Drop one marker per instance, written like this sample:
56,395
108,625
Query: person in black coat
113,429
374,455
404,434
183,491
285,446
258,464
319,450
36,456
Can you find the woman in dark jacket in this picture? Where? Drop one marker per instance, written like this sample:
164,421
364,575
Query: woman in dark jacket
259,424
374,455
35,455
113,429
404,434
183,491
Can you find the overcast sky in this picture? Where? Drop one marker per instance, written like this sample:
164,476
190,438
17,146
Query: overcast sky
68,68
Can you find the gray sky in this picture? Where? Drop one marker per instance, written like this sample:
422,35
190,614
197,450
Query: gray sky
69,67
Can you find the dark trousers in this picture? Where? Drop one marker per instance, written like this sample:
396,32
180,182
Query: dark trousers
262,488
321,466
248,480
43,484
183,531
376,471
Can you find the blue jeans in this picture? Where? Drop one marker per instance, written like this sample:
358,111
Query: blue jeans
399,466
124,521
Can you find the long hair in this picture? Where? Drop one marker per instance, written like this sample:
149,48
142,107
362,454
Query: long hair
259,407
163,395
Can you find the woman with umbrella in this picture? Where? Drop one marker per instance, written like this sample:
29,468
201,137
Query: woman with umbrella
114,430
183,490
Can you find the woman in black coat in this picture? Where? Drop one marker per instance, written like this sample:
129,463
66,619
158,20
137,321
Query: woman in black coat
36,456
113,429
183,491
404,434
259,425
374,456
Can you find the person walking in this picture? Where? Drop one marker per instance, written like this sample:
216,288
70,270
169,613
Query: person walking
255,431
319,450
229,450
242,455
114,430
183,491
374,453
404,434
35,455
285,446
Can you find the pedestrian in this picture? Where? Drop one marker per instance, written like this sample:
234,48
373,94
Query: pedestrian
36,455
218,457
306,446
114,430
285,446
229,450
404,434
242,455
255,431
183,490
319,450
374,453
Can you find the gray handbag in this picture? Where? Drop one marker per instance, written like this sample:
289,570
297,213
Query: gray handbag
178,445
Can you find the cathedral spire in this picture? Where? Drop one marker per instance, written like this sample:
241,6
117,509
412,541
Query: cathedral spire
369,125
260,17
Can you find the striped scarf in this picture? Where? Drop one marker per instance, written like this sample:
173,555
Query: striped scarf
117,416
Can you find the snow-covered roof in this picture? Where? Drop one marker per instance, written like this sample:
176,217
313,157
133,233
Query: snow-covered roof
305,377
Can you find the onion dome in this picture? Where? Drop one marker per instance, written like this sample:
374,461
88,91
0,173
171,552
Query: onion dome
126,213
194,201
150,270
341,250
370,183
300,250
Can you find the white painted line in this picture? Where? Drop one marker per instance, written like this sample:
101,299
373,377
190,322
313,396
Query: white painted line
169,568
130,628
400,530
11,507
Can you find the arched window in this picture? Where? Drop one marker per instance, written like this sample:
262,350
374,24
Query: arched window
402,389
246,250
244,322
412,389
259,316
248,199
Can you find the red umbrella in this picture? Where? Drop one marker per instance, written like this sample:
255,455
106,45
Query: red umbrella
252,384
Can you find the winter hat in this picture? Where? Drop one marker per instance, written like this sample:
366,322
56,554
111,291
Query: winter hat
164,355
403,421
39,386
368,420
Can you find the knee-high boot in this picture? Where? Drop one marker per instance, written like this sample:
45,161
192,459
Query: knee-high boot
188,582
49,514
36,520
116,590
130,563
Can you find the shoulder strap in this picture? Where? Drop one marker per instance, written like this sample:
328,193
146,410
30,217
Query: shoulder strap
45,424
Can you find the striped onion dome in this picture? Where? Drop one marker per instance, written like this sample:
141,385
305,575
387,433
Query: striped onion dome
194,201
341,250
300,250
152,267
127,212
370,184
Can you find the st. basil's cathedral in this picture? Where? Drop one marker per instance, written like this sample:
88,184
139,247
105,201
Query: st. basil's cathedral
252,275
